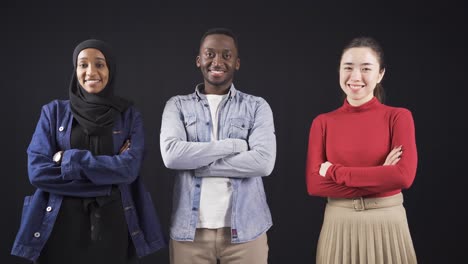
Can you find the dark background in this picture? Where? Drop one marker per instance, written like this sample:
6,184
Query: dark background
289,55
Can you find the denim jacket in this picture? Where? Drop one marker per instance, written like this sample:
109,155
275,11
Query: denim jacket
83,175
245,151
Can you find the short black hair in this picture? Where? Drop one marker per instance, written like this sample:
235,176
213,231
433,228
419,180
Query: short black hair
222,31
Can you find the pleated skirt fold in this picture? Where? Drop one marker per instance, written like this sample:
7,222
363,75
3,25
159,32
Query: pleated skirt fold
374,236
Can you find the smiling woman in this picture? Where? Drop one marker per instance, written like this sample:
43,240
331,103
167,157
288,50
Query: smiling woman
360,73
85,174
361,156
92,71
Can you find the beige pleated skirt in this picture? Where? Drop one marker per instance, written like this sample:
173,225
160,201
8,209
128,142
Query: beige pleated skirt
358,231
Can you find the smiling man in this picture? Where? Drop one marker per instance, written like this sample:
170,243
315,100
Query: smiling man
220,142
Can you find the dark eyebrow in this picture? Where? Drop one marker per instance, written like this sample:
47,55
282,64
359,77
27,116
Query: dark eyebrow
85,58
213,49
365,63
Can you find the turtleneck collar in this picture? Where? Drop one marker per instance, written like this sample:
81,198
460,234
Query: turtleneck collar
372,104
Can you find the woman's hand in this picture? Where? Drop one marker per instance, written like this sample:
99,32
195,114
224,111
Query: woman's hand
125,146
324,167
394,156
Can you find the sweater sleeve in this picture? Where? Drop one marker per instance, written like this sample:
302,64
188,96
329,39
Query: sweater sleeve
316,184
384,178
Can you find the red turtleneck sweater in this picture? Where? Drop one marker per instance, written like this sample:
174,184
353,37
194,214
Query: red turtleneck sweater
357,140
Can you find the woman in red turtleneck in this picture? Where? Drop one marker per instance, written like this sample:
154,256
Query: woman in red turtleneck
361,156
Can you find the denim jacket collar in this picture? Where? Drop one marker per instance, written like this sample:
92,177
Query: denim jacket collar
201,96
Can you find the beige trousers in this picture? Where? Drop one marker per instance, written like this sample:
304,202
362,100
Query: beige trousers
211,245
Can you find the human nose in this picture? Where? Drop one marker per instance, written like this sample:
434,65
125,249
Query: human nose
90,70
216,60
356,75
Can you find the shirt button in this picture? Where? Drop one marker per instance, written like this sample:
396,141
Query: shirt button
207,123
61,128
194,209
49,208
37,234
206,105
198,185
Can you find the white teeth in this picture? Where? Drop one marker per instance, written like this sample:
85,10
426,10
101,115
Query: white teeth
356,86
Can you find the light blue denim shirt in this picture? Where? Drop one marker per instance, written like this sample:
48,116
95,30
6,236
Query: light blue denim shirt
245,152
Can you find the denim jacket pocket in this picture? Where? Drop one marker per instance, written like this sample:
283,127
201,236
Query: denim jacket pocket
240,128
190,122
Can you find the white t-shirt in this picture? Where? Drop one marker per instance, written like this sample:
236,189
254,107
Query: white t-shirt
216,192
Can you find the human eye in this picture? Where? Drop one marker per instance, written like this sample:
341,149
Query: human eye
227,56
347,68
366,69
209,54
100,65
82,65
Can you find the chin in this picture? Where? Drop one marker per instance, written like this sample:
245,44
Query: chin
93,91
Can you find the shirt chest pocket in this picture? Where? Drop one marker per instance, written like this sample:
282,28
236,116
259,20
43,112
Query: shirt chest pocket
240,128
190,123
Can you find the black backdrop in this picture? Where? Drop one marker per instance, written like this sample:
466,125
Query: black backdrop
289,55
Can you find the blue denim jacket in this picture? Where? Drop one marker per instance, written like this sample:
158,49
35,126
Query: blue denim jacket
245,151
83,175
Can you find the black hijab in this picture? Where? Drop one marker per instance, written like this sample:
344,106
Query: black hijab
95,113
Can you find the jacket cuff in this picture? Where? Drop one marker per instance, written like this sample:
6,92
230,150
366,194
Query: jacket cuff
68,171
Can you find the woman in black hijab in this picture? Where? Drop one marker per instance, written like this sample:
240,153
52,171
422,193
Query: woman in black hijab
93,103
90,205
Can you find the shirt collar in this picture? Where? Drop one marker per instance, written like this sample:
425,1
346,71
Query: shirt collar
201,96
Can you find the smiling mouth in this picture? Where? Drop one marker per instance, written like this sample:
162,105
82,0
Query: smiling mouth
355,87
92,81
217,73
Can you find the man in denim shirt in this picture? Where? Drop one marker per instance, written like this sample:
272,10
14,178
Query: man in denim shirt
221,142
